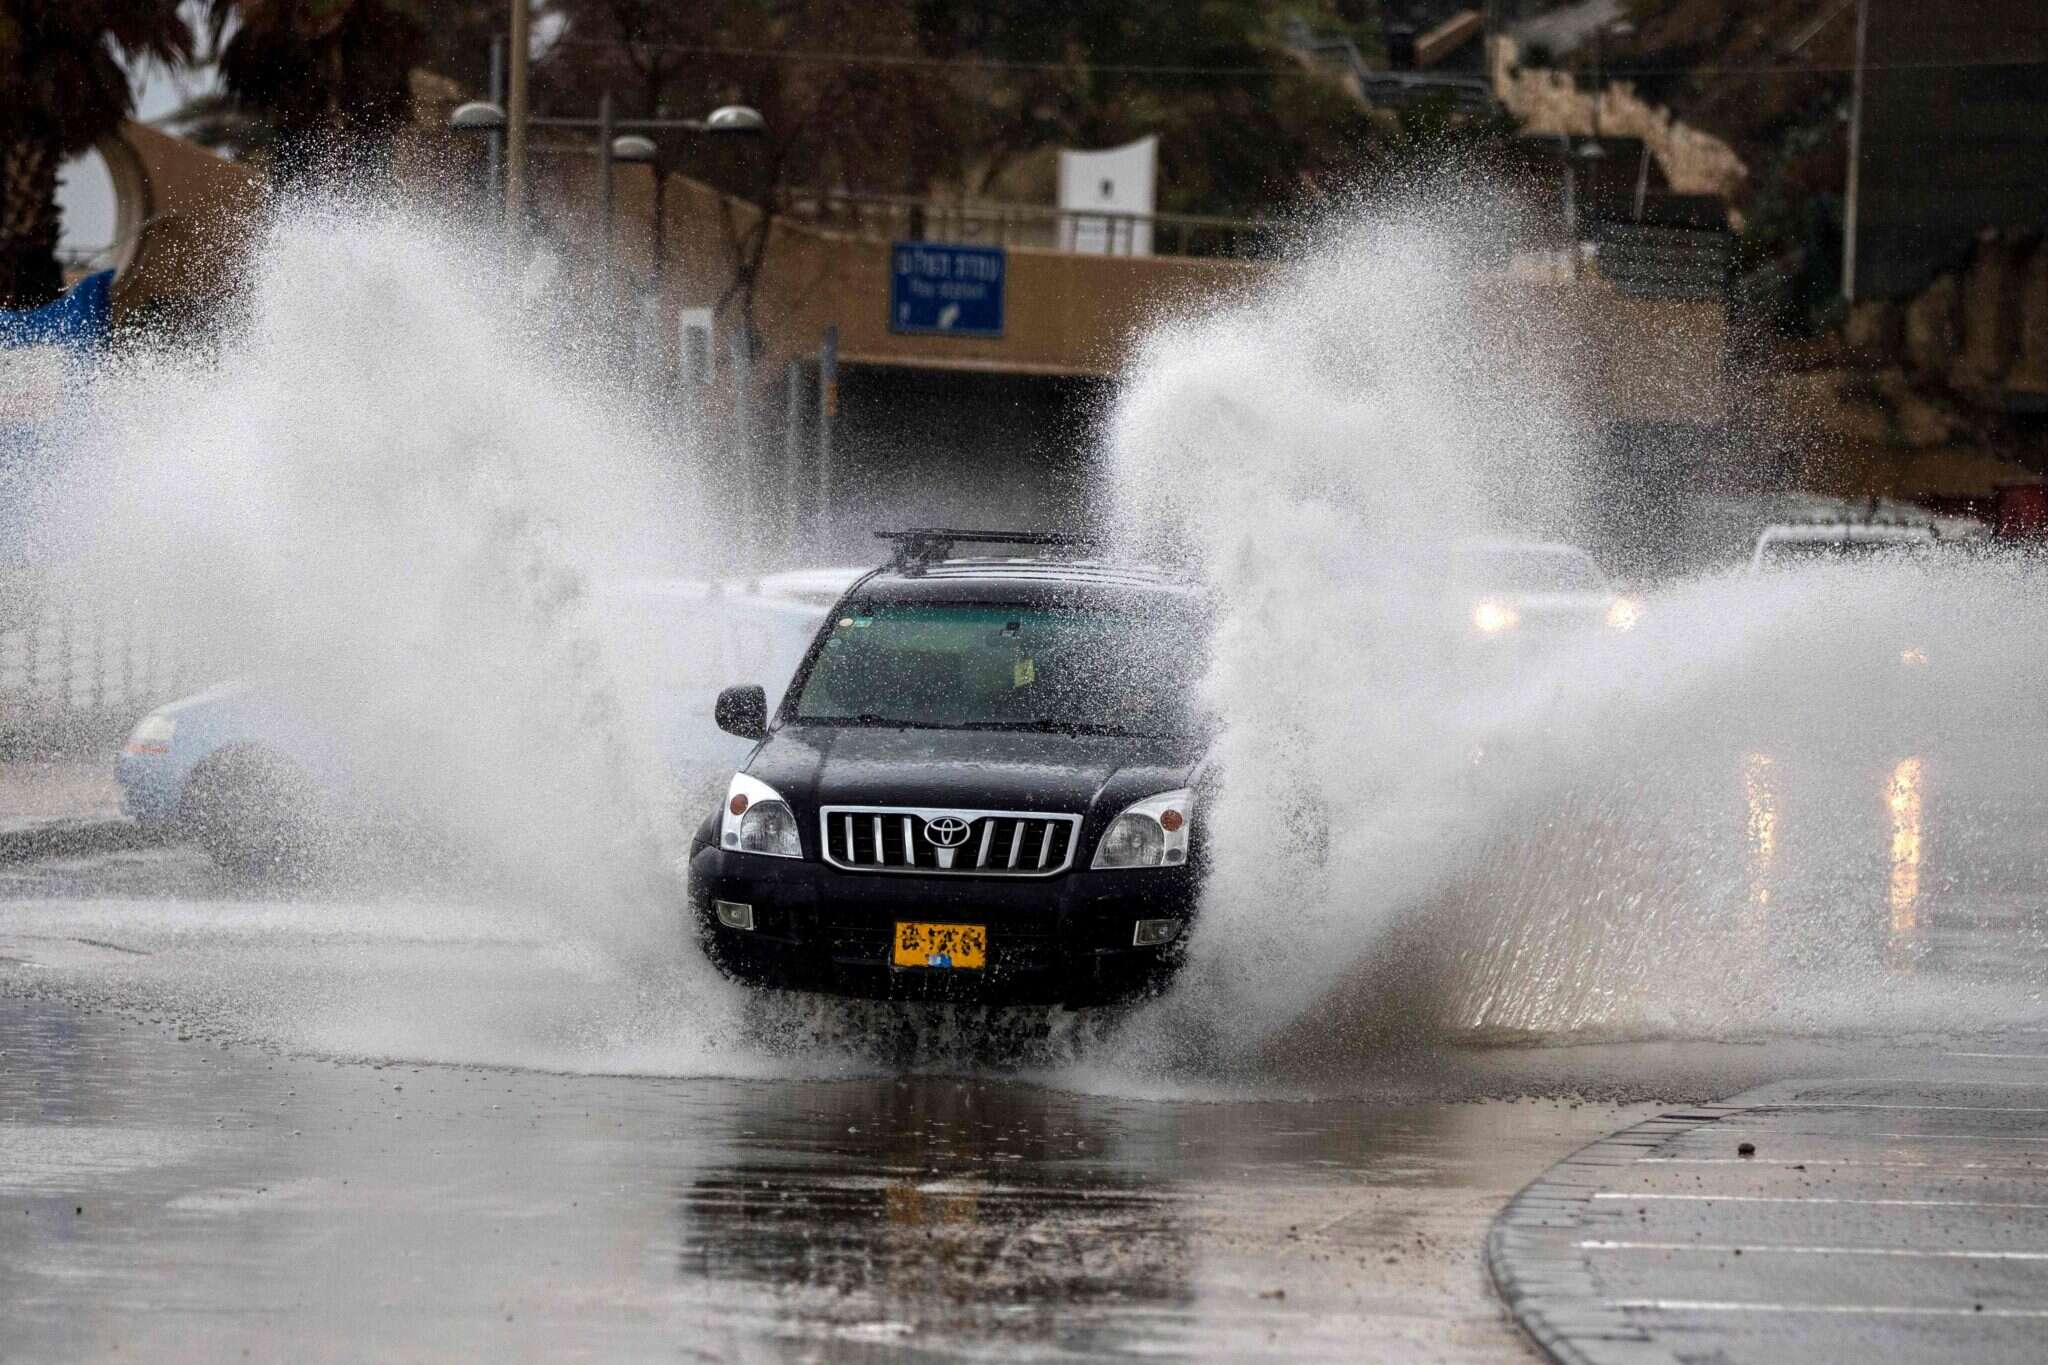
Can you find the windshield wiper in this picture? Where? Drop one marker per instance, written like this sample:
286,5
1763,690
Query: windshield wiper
1049,726
866,718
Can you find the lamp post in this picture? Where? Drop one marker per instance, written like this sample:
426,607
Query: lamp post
486,118
617,139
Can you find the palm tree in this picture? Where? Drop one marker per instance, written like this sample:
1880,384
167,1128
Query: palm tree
331,79
63,87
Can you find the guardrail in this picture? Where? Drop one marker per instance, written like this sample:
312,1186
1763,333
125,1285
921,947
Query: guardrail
1664,262
908,218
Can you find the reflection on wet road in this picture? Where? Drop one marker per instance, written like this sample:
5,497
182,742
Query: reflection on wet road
220,1131
180,1200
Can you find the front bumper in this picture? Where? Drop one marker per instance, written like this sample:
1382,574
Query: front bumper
1063,940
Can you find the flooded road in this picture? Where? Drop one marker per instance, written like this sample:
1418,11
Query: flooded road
178,1199
326,1129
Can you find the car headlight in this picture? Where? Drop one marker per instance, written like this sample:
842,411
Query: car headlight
1623,614
152,735
757,820
1148,833
1491,617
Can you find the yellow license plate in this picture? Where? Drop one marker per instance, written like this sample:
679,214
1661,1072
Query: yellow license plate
951,947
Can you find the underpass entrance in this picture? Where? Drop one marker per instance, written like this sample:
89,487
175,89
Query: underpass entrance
934,447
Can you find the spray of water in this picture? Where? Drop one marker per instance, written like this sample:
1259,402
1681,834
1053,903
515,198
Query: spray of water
389,495
1722,821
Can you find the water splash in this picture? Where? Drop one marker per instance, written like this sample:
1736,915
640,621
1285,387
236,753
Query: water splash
1727,820
389,492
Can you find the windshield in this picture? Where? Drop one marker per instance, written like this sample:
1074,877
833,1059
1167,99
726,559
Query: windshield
1529,571
1000,667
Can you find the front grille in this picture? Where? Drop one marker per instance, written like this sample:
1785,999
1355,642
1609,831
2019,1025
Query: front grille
975,843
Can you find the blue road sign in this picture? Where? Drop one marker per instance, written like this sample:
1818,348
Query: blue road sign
955,290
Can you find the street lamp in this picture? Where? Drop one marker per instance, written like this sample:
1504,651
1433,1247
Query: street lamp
632,150
477,116
736,118
1591,153
617,140
488,119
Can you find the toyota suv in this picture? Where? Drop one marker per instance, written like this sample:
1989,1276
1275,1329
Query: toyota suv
982,784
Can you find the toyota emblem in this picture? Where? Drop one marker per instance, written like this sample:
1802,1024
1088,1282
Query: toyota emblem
948,831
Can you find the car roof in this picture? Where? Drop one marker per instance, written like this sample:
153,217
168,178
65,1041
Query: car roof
1027,579
1844,530
820,586
1484,545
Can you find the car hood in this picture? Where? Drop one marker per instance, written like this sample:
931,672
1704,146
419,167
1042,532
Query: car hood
1558,604
821,765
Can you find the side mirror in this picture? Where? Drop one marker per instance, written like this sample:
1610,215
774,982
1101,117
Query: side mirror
743,711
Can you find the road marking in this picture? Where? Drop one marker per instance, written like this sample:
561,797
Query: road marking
1934,1137
1754,1250
2004,1056
1965,1108
1816,1199
1832,1163
1874,1309
1789,1133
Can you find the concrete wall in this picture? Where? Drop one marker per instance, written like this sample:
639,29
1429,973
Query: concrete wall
1075,315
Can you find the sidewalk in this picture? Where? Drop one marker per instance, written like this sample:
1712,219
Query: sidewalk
1874,1220
54,806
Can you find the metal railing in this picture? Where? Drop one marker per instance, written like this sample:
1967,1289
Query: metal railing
74,672
889,217
1664,262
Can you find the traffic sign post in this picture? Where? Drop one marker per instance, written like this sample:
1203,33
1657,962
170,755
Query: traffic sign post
939,288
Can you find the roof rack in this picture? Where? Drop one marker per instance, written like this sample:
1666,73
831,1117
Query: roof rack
918,546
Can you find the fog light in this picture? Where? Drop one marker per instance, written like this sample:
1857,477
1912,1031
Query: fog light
1150,933
734,915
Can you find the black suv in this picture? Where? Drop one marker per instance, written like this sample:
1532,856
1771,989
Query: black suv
981,786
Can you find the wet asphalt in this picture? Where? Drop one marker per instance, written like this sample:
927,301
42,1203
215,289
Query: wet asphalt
184,1200
1901,1216
183,1177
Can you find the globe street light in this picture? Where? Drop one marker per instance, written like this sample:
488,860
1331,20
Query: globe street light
633,149
736,118
617,140
477,116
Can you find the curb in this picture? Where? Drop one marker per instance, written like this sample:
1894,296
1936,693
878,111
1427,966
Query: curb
72,838
1542,1277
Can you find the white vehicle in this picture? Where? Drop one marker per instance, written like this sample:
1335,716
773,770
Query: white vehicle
1801,544
688,639
1516,589
240,769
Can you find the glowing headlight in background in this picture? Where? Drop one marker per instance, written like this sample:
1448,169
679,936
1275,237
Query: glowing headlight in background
1623,614
1913,656
1902,798
1491,618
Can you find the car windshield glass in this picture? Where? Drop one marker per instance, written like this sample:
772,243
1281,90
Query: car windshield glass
1788,553
1529,571
1000,667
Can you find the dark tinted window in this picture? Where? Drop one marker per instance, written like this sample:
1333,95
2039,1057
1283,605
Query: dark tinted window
992,666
